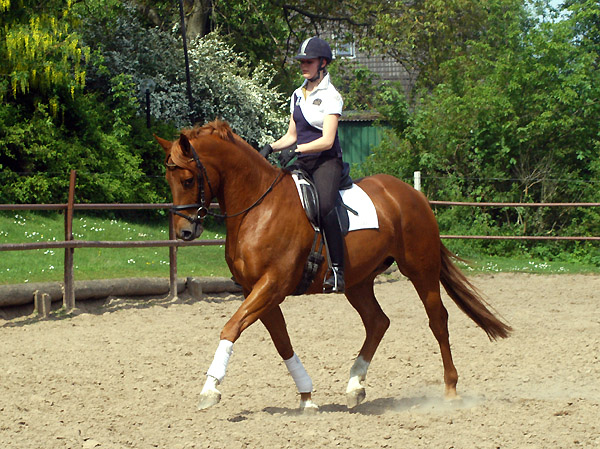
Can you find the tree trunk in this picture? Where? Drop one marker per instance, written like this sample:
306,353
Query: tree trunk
150,13
197,17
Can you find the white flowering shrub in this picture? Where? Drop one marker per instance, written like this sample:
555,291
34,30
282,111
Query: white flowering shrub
223,84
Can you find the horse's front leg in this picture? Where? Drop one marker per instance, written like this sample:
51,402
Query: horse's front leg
210,395
259,301
275,324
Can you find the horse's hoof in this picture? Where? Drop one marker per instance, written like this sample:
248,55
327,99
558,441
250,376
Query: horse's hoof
209,398
450,394
355,397
452,397
308,407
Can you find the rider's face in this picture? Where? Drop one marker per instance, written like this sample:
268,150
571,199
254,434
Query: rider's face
309,67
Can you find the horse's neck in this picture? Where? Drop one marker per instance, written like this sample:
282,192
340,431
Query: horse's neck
244,179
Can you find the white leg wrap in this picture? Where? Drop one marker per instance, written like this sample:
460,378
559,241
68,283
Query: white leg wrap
209,385
299,374
358,374
219,365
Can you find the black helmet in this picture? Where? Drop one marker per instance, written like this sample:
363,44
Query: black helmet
315,47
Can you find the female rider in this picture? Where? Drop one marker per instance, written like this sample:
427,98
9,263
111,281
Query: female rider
312,135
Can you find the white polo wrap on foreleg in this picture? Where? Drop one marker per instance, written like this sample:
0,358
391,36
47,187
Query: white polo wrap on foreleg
358,374
299,374
218,368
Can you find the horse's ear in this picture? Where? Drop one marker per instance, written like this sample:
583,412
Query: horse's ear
166,144
184,144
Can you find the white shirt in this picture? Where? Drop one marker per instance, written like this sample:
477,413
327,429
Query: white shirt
322,101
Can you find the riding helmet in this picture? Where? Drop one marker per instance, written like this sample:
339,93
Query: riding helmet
315,47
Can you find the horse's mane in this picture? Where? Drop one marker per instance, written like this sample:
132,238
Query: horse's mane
217,128
220,129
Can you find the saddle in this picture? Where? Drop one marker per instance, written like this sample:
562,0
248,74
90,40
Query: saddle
310,200
310,203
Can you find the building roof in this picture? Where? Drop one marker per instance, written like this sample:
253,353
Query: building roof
360,116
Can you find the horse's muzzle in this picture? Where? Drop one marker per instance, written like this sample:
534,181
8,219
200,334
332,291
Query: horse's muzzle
190,232
193,229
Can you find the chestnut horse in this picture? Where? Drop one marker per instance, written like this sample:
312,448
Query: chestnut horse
269,239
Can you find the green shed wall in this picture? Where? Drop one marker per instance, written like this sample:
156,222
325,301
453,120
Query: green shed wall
357,139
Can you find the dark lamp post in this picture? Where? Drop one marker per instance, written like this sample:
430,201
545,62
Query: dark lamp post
147,86
187,63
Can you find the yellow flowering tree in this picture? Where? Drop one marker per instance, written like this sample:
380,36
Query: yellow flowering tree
38,49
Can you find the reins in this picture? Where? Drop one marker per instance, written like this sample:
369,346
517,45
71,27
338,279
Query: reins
203,210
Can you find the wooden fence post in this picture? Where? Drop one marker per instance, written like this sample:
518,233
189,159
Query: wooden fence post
417,177
69,286
42,303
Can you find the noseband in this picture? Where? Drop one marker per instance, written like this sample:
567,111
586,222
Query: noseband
202,206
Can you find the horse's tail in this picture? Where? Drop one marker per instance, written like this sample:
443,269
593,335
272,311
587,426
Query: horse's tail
468,298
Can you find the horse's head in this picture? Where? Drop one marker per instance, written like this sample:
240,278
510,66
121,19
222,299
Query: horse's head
190,186
200,162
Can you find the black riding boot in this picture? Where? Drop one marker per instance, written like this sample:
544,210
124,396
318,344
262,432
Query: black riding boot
335,242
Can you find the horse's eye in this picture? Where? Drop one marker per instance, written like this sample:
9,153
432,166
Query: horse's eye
187,183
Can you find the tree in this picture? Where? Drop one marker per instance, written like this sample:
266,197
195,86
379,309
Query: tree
39,51
515,115
49,122
224,83
420,35
584,19
164,14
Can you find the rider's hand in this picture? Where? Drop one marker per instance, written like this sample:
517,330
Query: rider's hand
266,150
287,155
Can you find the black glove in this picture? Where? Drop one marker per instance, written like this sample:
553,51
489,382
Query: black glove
287,155
266,150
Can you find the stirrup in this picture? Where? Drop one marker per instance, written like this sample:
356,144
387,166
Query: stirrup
335,283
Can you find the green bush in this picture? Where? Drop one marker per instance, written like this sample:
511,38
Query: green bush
516,119
100,130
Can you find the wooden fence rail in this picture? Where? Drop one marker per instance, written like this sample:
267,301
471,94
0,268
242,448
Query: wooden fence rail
69,244
516,237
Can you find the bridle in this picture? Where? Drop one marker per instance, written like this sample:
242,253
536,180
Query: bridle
202,205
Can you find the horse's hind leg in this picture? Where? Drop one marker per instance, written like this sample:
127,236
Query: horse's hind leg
376,323
429,292
274,321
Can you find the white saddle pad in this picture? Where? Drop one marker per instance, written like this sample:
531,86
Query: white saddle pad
357,199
